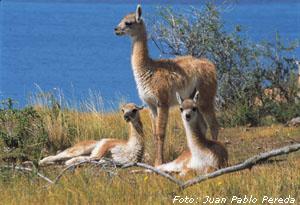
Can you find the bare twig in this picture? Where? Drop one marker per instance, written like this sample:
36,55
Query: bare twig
249,163
157,171
19,168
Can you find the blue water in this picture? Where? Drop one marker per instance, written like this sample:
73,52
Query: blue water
71,46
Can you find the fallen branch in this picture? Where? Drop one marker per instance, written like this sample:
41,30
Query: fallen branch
157,171
249,163
19,168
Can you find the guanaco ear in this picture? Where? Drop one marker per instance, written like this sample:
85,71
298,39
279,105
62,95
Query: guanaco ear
196,96
138,13
179,99
140,107
192,95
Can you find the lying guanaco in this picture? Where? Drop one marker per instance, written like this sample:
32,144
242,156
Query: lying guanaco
120,151
203,155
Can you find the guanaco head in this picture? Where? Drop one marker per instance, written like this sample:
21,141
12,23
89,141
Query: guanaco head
131,24
188,107
131,112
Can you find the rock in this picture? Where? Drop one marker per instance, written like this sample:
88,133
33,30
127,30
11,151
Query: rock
295,122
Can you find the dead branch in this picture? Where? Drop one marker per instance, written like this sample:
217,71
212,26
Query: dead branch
22,169
249,163
157,171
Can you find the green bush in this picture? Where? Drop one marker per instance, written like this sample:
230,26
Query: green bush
242,115
22,133
245,69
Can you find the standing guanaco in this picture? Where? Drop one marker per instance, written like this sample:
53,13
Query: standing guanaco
157,80
203,155
121,151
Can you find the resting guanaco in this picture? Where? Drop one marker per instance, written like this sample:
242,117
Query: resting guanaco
203,155
157,80
121,151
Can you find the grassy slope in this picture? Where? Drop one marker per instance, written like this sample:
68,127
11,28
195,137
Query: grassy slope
86,185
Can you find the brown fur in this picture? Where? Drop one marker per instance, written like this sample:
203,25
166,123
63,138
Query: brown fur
106,148
184,155
82,145
158,80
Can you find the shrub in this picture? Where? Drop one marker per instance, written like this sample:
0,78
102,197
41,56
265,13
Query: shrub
245,69
22,133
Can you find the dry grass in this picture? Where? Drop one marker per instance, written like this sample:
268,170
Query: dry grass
86,185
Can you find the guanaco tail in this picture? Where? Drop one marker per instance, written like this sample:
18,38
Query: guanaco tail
121,151
158,80
203,155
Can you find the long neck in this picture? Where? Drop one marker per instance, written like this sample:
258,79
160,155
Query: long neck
136,133
140,56
196,139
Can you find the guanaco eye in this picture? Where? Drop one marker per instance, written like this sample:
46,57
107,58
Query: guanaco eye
194,109
123,110
134,110
128,23
181,109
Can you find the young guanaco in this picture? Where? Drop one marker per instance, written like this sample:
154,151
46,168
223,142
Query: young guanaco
203,155
121,151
